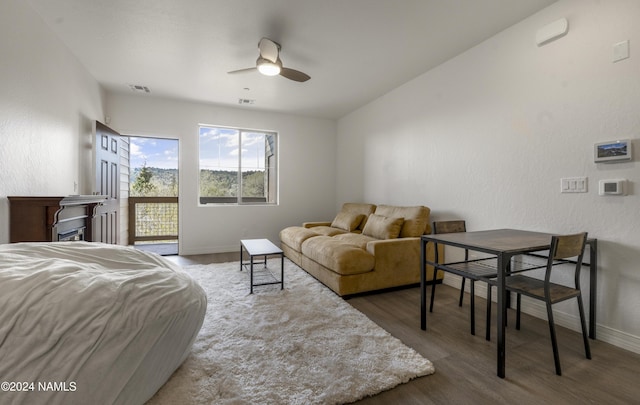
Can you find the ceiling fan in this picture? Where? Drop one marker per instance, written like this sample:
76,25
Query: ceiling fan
269,63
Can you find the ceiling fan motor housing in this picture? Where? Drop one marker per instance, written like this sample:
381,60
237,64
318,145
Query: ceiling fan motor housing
269,63
267,67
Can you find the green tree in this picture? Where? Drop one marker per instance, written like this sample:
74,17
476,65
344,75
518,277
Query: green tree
143,187
214,183
253,184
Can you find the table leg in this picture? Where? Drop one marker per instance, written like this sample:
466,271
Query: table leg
423,285
251,276
593,286
435,277
502,314
282,271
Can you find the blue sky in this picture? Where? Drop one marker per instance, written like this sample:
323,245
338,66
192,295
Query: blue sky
162,153
219,149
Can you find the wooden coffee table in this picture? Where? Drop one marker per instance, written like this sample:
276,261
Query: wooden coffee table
261,247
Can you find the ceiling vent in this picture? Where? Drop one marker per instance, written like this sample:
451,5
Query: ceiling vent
139,89
246,101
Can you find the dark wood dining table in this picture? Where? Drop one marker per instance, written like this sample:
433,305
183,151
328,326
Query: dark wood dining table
504,244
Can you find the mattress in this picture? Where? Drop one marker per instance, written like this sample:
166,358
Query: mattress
85,323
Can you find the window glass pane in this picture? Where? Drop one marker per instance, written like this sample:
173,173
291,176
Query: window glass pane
271,177
219,162
253,166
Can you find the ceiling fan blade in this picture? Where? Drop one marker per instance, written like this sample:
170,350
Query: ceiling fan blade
294,75
269,49
251,69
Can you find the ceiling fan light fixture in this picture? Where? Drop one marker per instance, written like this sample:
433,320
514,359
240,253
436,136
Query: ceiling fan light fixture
268,68
269,63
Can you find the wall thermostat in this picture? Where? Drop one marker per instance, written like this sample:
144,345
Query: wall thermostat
612,187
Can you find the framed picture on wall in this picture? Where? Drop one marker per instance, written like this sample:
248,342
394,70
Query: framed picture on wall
612,151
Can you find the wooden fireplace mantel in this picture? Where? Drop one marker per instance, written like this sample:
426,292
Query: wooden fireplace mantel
36,219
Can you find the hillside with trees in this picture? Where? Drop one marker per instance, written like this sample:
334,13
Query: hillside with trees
153,182
157,182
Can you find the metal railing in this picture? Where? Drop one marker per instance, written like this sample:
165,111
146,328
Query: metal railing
153,219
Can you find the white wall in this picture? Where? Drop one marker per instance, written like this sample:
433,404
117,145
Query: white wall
488,135
306,168
48,103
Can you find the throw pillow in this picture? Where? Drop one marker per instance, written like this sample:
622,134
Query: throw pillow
348,221
416,219
381,227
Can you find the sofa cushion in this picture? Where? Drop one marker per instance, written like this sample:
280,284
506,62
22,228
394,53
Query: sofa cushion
416,219
327,230
382,227
355,239
340,257
293,236
359,208
348,221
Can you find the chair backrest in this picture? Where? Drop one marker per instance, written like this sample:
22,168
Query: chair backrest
565,247
449,226
454,226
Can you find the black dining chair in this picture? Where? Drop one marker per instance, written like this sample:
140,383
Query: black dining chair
482,269
562,248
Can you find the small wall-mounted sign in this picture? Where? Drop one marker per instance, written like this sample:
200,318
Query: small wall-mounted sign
612,151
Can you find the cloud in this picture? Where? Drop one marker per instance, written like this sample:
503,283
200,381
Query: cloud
134,150
161,153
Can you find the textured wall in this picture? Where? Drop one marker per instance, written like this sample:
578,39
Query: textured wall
48,103
488,135
306,168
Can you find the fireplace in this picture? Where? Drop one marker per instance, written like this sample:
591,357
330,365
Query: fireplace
74,217
72,235
47,219
70,223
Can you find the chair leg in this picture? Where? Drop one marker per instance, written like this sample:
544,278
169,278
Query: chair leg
554,340
472,307
488,326
433,295
462,291
585,338
518,301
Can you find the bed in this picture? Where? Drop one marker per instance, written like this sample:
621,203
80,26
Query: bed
92,323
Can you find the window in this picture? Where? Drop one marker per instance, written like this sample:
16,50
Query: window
237,166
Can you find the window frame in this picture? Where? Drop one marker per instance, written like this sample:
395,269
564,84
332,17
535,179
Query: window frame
271,168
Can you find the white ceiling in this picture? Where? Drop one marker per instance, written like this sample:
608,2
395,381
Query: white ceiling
354,50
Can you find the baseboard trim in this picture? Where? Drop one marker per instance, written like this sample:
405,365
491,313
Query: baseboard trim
537,309
606,334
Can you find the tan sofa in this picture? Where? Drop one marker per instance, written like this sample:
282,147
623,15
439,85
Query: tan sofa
365,248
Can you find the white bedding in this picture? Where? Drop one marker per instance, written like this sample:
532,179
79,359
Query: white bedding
87,323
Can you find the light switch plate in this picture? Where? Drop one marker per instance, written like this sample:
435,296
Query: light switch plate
573,185
620,51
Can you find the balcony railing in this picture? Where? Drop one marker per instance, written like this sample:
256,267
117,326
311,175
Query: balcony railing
153,219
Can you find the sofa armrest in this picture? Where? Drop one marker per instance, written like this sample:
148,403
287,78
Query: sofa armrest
312,224
401,255
400,252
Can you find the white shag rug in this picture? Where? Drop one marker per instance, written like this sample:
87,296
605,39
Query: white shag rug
301,345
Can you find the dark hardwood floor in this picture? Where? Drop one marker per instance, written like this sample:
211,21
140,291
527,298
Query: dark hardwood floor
466,365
